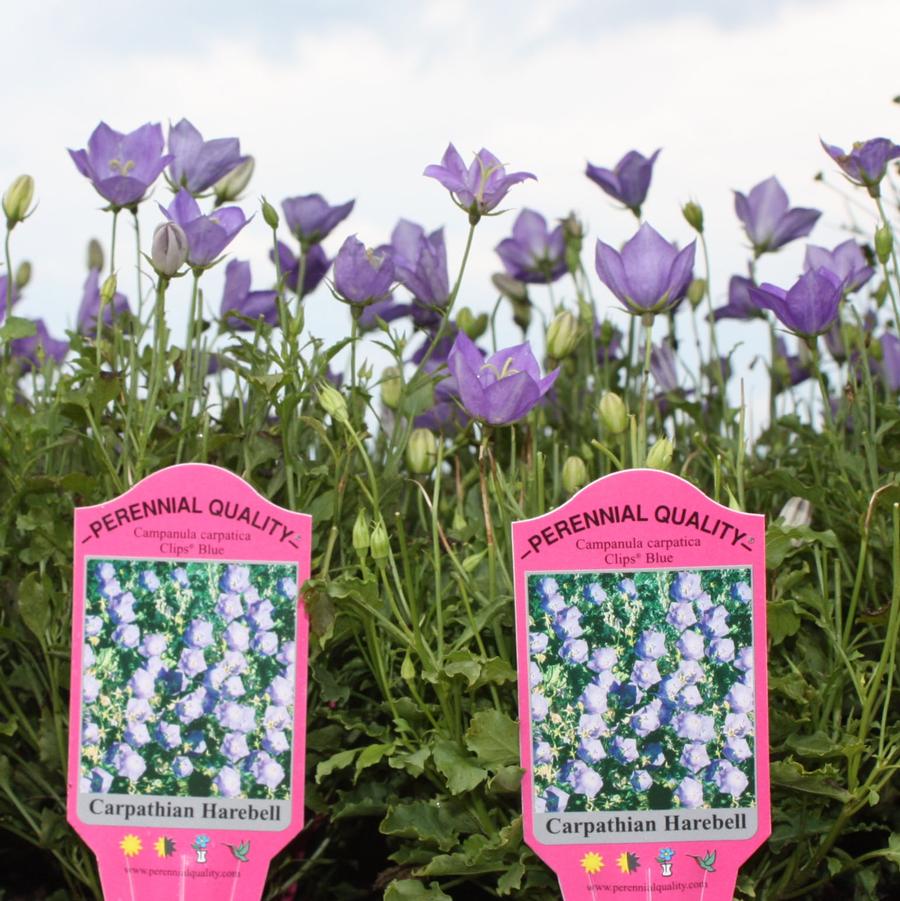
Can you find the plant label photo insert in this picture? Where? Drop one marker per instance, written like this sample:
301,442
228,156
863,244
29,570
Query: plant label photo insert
641,637
189,674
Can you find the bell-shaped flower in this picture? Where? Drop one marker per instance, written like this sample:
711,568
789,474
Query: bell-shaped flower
89,308
362,276
767,218
650,275
846,261
122,166
501,389
866,162
311,218
534,254
238,298
198,164
628,181
208,235
808,307
739,305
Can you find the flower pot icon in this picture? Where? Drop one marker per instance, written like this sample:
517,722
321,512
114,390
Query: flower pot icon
666,867
201,846
664,859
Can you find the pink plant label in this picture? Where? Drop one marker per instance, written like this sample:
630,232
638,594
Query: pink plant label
640,621
189,675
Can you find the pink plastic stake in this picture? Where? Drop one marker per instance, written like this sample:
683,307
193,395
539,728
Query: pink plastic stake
189,673
640,613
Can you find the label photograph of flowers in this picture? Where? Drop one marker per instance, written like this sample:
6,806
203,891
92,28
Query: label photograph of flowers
642,690
188,682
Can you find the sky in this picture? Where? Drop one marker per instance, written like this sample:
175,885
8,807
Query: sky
352,99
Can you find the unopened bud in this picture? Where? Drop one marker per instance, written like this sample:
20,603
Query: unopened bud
511,288
108,289
379,543
421,451
796,512
17,199
23,274
573,234
270,214
366,371
522,314
169,250
884,243
696,291
361,534
474,326
230,186
333,402
613,414
94,255
574,474
459,520
391,387
562,335
693,213
660,455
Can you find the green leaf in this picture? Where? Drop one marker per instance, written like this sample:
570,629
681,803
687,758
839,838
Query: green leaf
508,780
16,327
336,762
413,890
457,767
782,541
438,823
821,745
371,755
791,774
494,738
782,620
511,880
33,605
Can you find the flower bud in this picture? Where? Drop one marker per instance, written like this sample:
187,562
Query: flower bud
333,402
108,289
421,451
391,387
474,326
796,512
613,414
696,291
522,314
459,520
361,534
17,199
660,455
573,234
230,185
169,250
379,543
562,335
270,214
693,213
574,474
884,243
511,288
94,255
23,274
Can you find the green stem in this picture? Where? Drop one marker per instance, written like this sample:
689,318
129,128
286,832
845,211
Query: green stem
891,289
645,382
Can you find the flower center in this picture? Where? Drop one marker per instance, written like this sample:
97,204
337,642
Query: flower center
507,370
122,168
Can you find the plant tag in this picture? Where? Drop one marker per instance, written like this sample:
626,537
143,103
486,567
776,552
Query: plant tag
640,615
189,673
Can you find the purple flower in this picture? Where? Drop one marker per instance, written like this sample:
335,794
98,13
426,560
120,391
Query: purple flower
90,733
645,673
664,367
689,793
121,608
691,672
537,642
583,779
199,634
556,799
478,189
681,616
192,706
744,660
808,307
653,755
238,298
603,659
260,615
234,662
646,720
420,262
237,635
690,697
228,782
739,305
721,649
360,275
229,606
192,662
742,592
501,389
235,579
281,691
287,588
169,735
594,594
567,623
534,254
236,717
89,308
540,707
138,710
101,780
548,587
110,588
198,164
142,684
737,750
208,235
789,369
233,687
650,275
592,725
628,181
137,735
31,352
574,650
127,635
729,779
314,269
215,676
890,361
624,749
715,622
591,750
87,656
651,645
628,588
694,726
149,580
234,746
553,603
132,767
196,741
686,586
641,780
694,757
180,577
265,643
276,716
311,219
288,653
846,261
182,767
535,677
122,166
275,742
866,163
543,753
768,221
267,771
595,698
740,698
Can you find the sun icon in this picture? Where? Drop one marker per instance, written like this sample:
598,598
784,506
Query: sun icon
131,846
164,847
627,862
592,863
